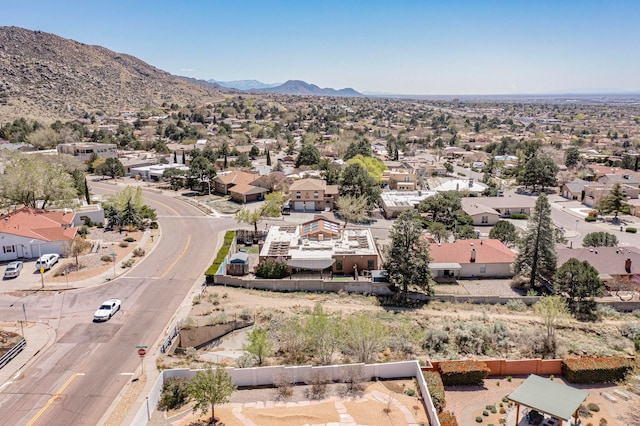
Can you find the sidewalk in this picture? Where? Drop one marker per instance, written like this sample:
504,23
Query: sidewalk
38,336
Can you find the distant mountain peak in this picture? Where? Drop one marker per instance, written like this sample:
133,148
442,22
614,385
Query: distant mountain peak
244,84
299,87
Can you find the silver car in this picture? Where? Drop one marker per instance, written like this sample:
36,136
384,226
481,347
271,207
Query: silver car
13,269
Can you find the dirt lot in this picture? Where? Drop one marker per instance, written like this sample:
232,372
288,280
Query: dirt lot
379,403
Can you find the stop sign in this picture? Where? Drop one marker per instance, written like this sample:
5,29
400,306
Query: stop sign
142,352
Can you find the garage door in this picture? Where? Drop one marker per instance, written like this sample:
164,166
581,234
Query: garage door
298,205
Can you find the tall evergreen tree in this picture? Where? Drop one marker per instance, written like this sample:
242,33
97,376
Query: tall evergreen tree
408,255
175,157
538,256
87,196
580,281
615,202
268,158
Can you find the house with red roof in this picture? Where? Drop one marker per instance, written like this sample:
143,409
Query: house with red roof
28,233
471,259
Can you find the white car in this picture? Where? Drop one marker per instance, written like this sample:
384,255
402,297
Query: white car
107,310
46,261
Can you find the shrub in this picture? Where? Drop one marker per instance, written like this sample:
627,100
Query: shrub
518,216
447,419
139,252
590,219
595,370
174,394
124,244
593,407
128,263
603,422
485,413
516,305
318,381
153,225
410,392
465,372
435,339
479,419
83,230
631,230
88,222
129,239
354,377
436,389
284,381
196,300
272,269
222,253
100,225
509,378
106,258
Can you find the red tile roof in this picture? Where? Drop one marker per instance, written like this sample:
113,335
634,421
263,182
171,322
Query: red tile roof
487,251
39,224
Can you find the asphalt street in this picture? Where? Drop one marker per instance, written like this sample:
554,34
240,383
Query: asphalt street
76,379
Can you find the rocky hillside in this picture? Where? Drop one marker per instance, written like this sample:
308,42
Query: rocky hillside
46,77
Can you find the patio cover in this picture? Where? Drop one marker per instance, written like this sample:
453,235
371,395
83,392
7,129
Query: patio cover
443,266
546,396
310,264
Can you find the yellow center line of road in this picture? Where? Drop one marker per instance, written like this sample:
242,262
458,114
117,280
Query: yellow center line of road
179,257
53,398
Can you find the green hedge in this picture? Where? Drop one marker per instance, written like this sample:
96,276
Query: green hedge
596,370
632,230
464,372
222,253
590,219
436,389
518,216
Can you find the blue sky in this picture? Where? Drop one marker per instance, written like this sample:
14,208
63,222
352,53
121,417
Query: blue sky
401,47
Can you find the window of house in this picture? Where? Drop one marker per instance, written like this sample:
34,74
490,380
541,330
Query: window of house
485,219
370,264
315,194
9,249
483,269
298,195
522,211
339,265
507,212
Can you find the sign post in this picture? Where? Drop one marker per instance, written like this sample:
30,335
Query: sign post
42,275
142,351
114,263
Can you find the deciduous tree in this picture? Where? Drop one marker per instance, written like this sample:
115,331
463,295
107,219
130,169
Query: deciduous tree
353,209
551,309
308,156
259,345
208,388
363,337
321,334
357,182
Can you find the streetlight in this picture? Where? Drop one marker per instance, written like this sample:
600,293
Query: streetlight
577,221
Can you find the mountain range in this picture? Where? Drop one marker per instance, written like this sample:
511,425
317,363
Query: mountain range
47,77
291,87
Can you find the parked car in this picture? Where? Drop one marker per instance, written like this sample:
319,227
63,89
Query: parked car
107,310
46,261
13,269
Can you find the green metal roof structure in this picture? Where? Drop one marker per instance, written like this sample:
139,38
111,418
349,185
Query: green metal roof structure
546,396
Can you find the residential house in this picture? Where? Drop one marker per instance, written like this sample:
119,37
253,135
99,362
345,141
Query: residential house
84,150
628,178
321,245
312,195
399,179
467,259
224,181
573,190
507,205
156,171
467,185
245,193
612,263
482,215
395,202
595,192
28,233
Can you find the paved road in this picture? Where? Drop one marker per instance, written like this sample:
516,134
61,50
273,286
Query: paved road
75,381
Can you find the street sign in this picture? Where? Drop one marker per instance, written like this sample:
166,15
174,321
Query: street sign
42,269
142,346
142,352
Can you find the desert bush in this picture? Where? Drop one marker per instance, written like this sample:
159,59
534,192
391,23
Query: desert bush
435,340
410,392
106,258
472,337
83,230
195,300
516,305
191,354
129,239
284,381
630,330
354,376
246,315
478,419
220,318
318,380
139,252
485,413
175,393
187,324
246,360
593,407
128,263
603,422
436,389
123,244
